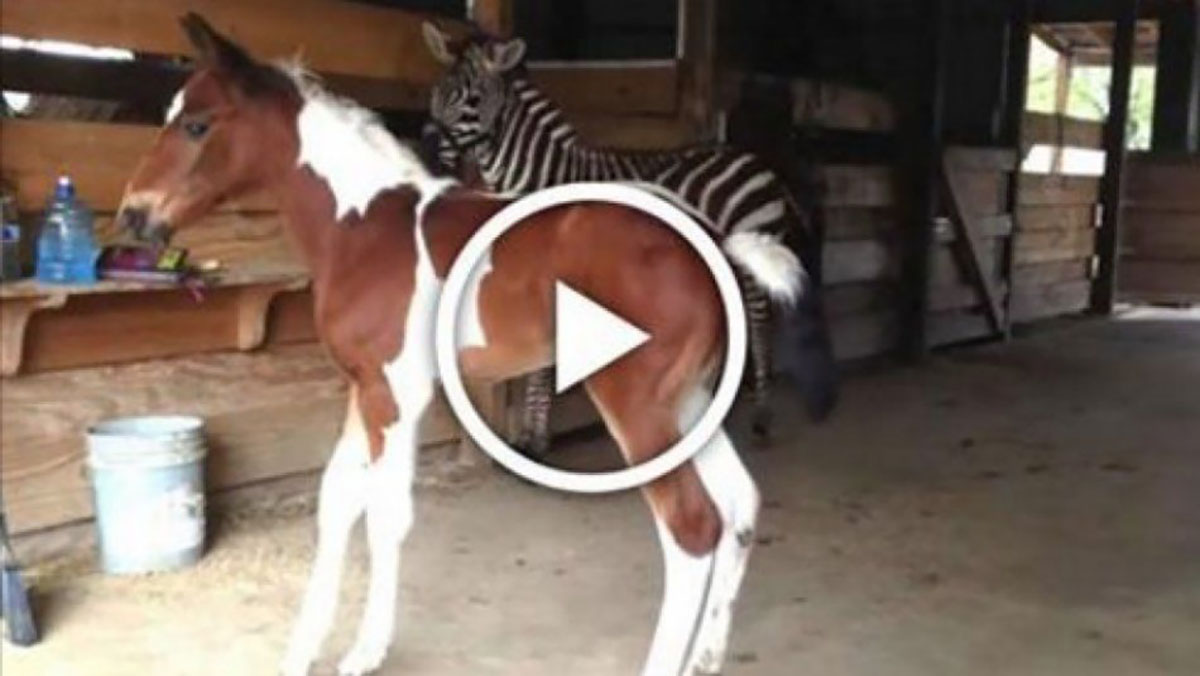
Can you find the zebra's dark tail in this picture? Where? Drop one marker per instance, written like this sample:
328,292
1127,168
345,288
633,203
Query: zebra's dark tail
803,350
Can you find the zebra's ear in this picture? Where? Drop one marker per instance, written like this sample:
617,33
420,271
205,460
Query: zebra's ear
504,55
438,42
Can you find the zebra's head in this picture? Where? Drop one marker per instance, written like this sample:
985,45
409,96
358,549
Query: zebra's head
466,102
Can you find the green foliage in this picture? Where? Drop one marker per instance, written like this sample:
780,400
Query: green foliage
1087,96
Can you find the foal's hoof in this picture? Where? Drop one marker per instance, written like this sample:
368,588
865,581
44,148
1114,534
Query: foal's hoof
362,660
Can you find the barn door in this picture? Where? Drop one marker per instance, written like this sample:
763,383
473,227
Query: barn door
1160,248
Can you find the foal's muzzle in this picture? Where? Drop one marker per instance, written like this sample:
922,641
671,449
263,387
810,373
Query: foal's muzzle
137,222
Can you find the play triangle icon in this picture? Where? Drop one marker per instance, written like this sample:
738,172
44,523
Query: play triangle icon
587,337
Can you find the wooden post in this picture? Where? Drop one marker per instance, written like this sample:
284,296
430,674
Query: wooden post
924,149
1020,40
493,16
1104,288
697,50
1177,84
1062,90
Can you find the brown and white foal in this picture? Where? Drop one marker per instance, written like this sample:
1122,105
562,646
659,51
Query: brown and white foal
379,233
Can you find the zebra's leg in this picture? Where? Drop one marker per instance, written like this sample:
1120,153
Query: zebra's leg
758,312
534,436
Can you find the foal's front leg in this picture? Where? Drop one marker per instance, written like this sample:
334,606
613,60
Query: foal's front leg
341,502
389,518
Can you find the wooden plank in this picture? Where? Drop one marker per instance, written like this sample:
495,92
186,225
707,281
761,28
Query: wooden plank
113,328
268,414
945,269
1160,281
1047,190
842,223
987,159
984,193
633,132
1061,131
857,186
970,242
100,158
957,326
1052,272
150,84
1163,182
823,104
1161,234
865,335
1070,217
290,319
1049,300
844,300
857,260
335,37
650,89
999,225
1054,245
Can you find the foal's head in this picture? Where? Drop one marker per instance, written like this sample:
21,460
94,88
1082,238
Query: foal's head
221,139
465,103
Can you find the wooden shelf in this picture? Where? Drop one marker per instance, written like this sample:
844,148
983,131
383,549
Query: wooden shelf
237,317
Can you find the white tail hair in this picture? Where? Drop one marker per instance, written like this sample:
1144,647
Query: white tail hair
769,262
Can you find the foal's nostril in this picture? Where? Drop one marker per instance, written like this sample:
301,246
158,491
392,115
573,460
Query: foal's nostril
133,220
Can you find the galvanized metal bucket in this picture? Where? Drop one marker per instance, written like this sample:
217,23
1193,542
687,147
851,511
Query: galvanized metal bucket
147,477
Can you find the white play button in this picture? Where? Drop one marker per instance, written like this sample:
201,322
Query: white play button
587,337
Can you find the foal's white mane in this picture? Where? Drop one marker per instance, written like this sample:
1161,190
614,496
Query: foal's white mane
348,146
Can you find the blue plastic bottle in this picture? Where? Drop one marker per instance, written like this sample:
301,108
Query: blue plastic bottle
66,247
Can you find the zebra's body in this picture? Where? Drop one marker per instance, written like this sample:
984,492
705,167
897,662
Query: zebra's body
519,141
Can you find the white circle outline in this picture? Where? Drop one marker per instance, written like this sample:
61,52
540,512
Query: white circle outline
445,341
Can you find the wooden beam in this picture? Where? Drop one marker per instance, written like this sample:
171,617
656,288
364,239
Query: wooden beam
99,157
1016,66
1062,89
968,240
1061,131
493,16
334,37
697,91
923,148
1109,235
1177,83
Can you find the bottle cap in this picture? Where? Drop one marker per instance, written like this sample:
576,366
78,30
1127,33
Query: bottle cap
64,187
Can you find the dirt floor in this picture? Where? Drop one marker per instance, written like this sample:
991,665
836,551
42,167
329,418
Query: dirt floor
1024,509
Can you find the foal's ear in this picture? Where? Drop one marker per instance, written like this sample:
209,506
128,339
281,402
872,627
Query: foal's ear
438,43
504,55
212,48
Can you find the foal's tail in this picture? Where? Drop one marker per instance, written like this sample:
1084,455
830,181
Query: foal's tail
803,349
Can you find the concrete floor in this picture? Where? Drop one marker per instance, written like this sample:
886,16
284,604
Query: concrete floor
1024,509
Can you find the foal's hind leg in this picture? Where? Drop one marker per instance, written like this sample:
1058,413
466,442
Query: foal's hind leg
737,499
644,422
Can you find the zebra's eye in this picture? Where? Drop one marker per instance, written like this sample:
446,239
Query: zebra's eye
195,129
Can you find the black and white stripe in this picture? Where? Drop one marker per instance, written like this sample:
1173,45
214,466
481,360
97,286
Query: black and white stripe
519,141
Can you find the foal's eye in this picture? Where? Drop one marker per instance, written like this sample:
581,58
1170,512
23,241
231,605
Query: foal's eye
195,128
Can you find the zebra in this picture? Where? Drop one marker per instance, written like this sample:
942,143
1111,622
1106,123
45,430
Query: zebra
488,117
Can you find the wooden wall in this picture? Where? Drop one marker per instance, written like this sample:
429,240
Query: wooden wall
1160,251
